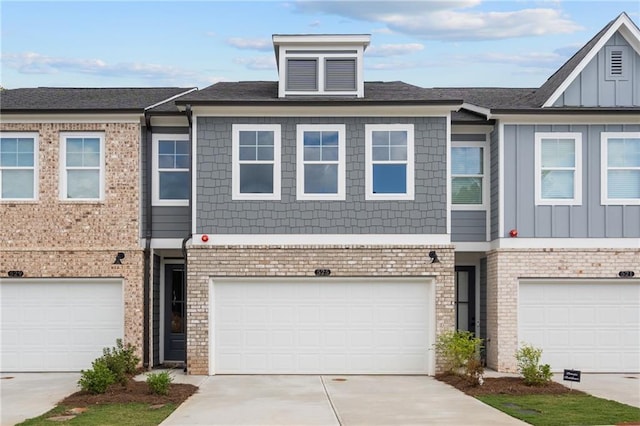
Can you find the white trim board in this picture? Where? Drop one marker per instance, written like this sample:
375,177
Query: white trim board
319,239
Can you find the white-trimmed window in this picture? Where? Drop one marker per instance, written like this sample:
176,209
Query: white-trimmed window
320,162
558,168
170,170
18,166
468,181
620,156
82,166
389,156
256,161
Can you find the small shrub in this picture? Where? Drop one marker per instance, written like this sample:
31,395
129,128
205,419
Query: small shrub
121,360
459,350
159,382
534,374
97,379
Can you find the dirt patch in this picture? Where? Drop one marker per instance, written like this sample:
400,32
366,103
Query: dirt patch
133,392
504,386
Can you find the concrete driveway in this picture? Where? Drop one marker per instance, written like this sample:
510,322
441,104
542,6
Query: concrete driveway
27,395
332,400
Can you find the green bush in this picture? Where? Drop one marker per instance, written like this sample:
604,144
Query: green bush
460,351
97,379
159,382
121,360
534,374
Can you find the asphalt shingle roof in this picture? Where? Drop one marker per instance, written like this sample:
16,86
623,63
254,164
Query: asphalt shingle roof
67,99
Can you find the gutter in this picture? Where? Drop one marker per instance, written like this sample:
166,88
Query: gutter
189,115
147,245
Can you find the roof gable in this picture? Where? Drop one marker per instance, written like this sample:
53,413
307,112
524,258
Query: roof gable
556,85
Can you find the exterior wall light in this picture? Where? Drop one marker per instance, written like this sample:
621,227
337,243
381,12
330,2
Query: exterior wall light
434,257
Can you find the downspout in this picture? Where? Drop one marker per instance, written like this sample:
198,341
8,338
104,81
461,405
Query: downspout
147,242
189,114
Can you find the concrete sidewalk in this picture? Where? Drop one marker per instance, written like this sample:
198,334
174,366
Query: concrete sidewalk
332,400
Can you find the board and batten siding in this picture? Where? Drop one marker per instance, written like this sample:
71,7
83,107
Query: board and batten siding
494,185
588,220
591,88
166,221
217,213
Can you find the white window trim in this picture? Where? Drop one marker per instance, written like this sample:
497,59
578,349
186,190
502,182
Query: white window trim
410,184
300,129
35,168
155,173
485,177
577,181
277,161
604,169
63,165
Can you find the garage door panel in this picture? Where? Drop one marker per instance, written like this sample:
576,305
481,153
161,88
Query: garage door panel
592,326
343,327
58,325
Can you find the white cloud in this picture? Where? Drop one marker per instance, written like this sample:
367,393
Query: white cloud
250,43
314,24
257,62
389,66
544,60
393,49
449,20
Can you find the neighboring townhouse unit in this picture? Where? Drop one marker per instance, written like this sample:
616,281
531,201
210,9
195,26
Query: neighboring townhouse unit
71,264
324,224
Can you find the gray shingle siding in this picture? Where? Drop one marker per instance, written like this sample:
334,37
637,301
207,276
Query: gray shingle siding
217,213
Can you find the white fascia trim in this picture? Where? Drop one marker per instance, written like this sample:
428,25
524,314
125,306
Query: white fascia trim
500,179
628,30
321,239
63,166
155,174
477,109
472,246
170,99
323,39
577,169
163,243
361,110
35,167
71,118
566,243
235,161
410,163
194,172
621,117
604,169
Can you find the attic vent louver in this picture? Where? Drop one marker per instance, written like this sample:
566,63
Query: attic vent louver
617,57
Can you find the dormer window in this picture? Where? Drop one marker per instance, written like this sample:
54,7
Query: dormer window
315,65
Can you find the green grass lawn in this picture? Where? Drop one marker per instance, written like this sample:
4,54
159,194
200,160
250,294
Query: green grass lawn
567,409
134,414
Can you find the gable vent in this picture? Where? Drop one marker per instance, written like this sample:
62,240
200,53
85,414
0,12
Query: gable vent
340,74
617,58
302,74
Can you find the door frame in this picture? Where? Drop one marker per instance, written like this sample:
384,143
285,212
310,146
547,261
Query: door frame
163,263
471,262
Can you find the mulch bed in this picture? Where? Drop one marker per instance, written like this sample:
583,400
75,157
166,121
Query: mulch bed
133,392
504,386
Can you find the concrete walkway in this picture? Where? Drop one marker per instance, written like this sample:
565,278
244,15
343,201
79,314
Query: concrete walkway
332,400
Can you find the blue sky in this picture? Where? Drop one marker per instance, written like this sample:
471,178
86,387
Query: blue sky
180,43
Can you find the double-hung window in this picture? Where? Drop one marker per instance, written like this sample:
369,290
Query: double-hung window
620,179
256,161
170,170
82,166
321,162
558,168
389,157
18,166
468,175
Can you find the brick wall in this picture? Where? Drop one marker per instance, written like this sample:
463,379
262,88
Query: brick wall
50,238
300,261
506,266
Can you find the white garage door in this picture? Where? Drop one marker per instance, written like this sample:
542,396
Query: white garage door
322,326
592,326
58,325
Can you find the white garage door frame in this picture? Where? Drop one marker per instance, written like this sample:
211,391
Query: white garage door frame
587,324
430,307
63,322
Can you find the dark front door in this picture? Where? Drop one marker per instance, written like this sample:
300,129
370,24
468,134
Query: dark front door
466,298
174,313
